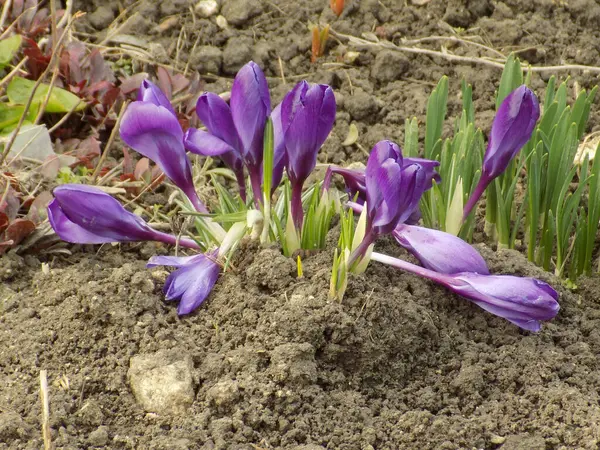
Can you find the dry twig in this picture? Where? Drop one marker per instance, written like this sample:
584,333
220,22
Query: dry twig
490,62
45,399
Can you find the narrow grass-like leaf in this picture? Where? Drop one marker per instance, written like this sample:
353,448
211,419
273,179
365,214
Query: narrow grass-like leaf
436,113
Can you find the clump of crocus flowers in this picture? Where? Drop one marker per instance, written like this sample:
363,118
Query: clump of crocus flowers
258,143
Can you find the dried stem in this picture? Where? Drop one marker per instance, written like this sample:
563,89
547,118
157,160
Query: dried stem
111,139
5,9
44,397
13,72
496,63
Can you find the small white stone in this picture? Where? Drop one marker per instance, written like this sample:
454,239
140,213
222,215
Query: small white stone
162,382
206,8
222,22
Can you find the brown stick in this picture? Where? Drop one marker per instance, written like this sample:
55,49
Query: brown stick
45,399
496,63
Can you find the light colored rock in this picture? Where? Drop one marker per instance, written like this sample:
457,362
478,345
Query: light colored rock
221,22
224,392
238,12
206,8
162,382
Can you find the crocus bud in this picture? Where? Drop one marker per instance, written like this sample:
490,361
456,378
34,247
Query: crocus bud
86,215
439,251
154,132
307,116
512,127
151,93
250,106
193,280
522,301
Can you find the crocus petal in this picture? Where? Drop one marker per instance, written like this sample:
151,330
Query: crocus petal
215,114
151,93
439,251
192,282
69,231
512,128
380,152
100,214
307,116
173,261
414,183
202,143
386,212
250,106
428,166
523,301
354,179
155,133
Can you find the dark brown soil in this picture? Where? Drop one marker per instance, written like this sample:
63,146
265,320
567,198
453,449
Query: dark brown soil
400,364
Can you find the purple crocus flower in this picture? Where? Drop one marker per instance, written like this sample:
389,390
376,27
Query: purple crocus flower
151,93
235,132
307,116
393,188
512,127
523,301
221,138
193,280
439,251
154,131
86,215
250,106
356,188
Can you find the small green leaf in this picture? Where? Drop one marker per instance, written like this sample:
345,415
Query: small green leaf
8,48
19,90
10,114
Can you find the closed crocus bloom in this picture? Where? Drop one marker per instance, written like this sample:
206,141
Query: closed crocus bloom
393,189
526,302
193,280
250,106
221,138
86,215
151,93
512,128
523,301
439,251
307,116
153,131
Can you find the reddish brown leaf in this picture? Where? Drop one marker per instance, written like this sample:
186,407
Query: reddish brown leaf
3,222
19,229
